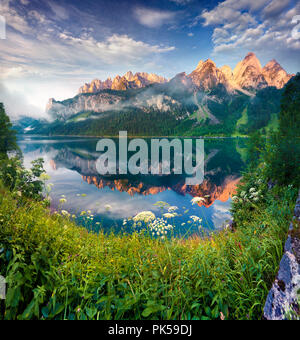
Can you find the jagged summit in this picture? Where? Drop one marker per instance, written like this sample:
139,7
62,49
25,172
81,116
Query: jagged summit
248,74
128,81
207,76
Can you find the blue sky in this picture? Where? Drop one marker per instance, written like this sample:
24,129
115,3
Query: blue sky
53,47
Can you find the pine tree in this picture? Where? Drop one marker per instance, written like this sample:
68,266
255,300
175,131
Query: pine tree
284,150
8,141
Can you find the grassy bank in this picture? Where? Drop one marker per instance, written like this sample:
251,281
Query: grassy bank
57,270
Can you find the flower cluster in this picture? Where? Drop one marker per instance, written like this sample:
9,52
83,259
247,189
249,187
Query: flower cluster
252,195
196,219
169,215
159,227
144,216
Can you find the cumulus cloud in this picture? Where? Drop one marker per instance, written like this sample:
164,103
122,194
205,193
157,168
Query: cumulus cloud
120,47
261,26
153,18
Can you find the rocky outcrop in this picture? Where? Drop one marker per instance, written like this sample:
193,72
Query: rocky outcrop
248,73
101,102
95,103
283,299
275,75
207,76
128,81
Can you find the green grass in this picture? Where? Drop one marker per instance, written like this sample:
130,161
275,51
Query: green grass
57,270
273,124
244,119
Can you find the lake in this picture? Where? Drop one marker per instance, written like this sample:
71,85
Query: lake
70,162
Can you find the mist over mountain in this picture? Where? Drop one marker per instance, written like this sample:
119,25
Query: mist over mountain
208,101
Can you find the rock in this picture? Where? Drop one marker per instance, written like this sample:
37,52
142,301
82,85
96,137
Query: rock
282,300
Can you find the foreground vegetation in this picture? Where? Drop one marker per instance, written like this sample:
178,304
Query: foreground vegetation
58,270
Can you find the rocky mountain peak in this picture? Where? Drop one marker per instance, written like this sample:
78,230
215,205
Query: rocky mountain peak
200,64
248,73
275,75
129,76
122,83
209,62
207,76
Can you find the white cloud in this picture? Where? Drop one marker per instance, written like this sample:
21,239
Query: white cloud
262,26
275,7
13,19
153,18
115,48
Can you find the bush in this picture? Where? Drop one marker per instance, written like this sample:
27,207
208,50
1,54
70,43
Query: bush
27,183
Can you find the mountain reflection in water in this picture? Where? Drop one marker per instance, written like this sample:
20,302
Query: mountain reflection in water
71,163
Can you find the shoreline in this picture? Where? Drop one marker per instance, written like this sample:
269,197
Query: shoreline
116,136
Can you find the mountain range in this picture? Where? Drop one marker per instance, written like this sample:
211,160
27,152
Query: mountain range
248,74
208,101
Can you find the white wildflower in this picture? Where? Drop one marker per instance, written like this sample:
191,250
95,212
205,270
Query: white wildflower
65,213
196,219
144,216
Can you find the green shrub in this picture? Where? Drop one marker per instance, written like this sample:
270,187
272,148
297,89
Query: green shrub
28,183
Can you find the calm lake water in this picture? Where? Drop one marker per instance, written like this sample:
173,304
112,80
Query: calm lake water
70,162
